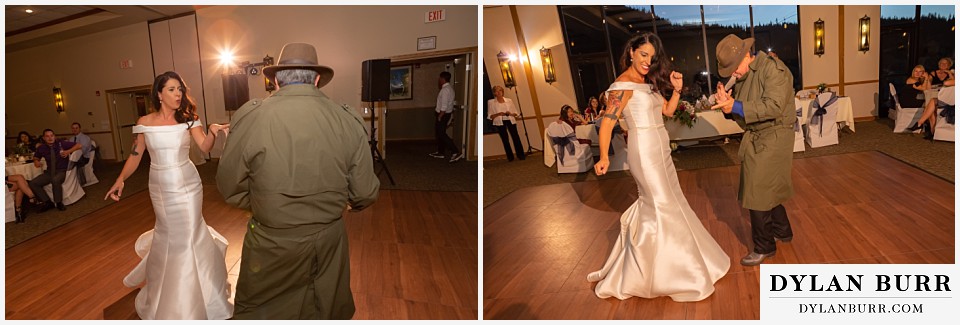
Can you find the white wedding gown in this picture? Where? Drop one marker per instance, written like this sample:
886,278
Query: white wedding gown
183,258
663,249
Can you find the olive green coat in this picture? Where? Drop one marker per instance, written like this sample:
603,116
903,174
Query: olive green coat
766,151
296,159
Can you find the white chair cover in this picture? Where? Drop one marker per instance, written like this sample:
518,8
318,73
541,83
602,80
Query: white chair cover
944,130
580,160
904,116
798,145
11,207
88,168
72,192
822,131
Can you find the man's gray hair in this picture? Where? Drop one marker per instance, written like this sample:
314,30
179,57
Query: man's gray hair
290,76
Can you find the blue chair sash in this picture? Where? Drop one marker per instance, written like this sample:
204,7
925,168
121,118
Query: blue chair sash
948,113
820,109
567,143
796,124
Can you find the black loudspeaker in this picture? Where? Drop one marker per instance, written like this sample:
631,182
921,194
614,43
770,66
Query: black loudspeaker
376,80
236,91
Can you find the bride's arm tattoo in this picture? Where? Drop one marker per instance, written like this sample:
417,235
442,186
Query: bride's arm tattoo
614,104
134,153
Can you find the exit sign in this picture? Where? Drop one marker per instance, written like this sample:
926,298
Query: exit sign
126,64
435,16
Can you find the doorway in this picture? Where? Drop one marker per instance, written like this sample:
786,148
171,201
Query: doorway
126,106
410,120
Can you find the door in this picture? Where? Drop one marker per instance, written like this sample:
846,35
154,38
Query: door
460,74
127,107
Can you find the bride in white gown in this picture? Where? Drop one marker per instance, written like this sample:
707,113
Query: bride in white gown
663,249
182,258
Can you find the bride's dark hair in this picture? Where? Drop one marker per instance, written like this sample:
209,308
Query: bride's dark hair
659,68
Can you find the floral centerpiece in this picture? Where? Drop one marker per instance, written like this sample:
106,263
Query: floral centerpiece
686,113
822,87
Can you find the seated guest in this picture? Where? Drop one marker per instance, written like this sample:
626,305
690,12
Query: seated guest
86,144
25,144
18,185
937,78
570,116
57,153
928,121
602,105
593,107
912,94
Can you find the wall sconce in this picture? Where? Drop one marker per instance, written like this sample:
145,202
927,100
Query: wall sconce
267,83
546,56
506,70
865,33
58,99
818,37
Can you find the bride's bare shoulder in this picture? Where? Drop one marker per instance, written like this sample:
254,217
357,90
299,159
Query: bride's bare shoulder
148,120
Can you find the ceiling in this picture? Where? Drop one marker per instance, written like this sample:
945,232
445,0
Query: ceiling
48,24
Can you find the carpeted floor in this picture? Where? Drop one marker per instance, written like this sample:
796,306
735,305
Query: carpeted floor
501,177
408,162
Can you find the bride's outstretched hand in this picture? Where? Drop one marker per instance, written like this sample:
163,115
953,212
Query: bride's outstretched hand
115,191
215,128
601,166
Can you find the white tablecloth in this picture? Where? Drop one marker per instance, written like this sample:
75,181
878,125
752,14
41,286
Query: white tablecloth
709,124
844,111
25,169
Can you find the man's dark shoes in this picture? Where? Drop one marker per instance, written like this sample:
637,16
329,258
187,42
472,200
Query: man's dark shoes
45,206
61,207
755,258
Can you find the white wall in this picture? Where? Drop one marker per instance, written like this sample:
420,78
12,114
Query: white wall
344,36
858,67
861,66
540,26
80,67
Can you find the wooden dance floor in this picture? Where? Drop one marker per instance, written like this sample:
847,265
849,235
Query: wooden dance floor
859,208
413,255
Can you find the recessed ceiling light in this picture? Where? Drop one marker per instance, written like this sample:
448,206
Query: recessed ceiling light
29,11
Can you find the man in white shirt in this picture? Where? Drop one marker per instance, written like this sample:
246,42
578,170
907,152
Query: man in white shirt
84,140
444,114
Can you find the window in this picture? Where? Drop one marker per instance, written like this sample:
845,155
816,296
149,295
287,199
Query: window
589,56
591,30
911,35
936,40
680,28
776,29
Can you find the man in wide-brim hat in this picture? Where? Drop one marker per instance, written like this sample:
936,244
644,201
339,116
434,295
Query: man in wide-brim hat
762,104
296,159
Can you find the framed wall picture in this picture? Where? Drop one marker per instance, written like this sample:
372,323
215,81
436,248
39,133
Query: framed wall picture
401,82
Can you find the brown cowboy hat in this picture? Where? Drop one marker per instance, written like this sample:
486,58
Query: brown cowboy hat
730,51
299,56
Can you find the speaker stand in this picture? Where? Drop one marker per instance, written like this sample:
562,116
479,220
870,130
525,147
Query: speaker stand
530,148
374,150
